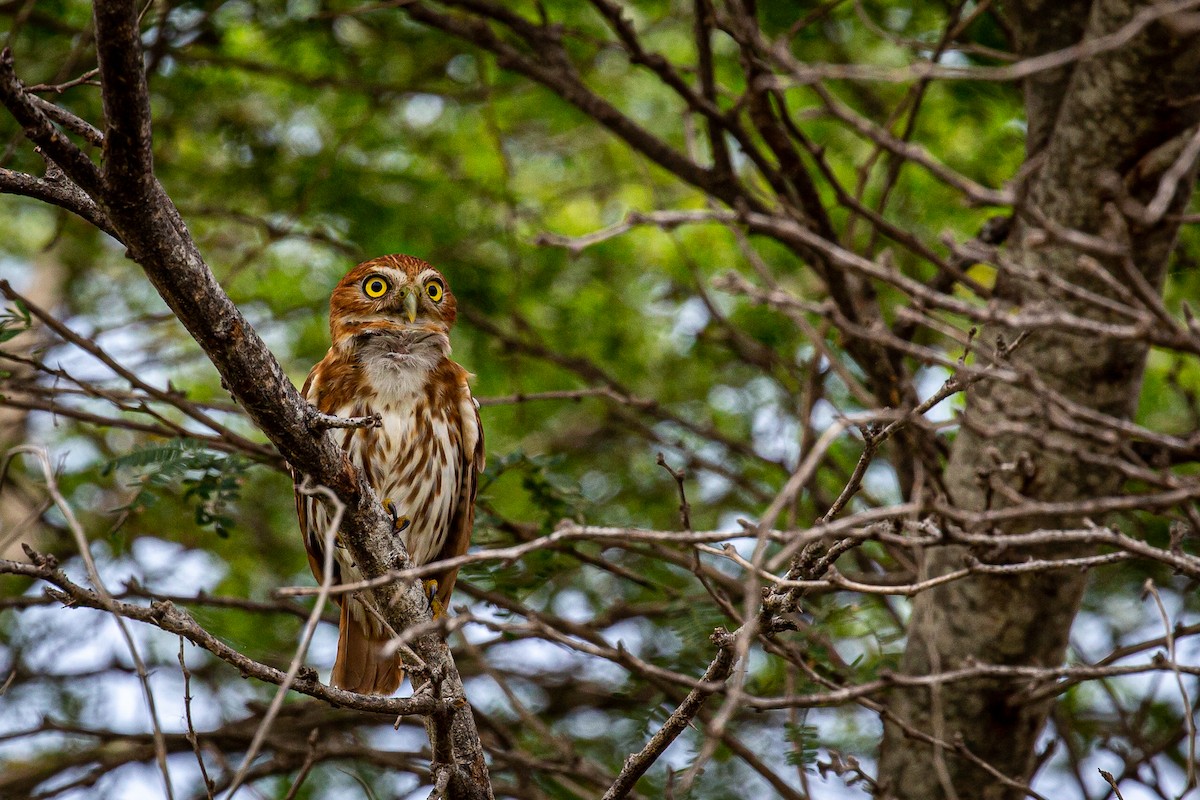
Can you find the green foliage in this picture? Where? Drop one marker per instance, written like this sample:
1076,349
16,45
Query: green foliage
805,744
14,321
553,494
211,481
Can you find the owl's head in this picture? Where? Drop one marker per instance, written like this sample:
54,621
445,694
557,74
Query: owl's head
394,293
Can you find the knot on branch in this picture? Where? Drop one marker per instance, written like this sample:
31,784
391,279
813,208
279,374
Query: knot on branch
47,561
722,638
163,609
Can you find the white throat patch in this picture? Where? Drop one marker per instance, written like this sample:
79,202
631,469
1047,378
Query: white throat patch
397,362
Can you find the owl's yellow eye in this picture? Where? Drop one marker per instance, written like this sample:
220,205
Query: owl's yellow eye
435,290
375,286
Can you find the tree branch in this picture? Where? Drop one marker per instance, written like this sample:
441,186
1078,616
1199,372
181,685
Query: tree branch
40,130
637,764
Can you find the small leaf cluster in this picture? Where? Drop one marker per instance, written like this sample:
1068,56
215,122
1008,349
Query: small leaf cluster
14,321
211,481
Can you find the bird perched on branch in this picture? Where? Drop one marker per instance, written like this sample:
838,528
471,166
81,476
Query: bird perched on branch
390,321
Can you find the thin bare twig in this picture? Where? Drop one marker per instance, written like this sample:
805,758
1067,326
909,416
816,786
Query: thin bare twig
191,728
637,764
330,535
1188,717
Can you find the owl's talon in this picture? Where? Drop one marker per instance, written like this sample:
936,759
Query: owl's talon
435,605
399,524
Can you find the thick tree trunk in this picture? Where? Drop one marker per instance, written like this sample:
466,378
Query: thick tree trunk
1119,115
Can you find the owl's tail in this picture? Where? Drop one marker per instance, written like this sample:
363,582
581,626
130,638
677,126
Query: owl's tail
361,665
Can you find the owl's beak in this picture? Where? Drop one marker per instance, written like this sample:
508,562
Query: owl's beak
410,306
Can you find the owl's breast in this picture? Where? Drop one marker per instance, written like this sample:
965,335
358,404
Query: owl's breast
414,460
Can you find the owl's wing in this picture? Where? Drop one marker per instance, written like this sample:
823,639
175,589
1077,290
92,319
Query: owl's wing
463,520
306,512
313,545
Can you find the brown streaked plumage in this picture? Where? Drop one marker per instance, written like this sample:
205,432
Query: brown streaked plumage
390,320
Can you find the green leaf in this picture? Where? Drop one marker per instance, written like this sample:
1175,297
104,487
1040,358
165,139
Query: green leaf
14,321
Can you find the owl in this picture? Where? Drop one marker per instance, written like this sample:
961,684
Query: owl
390,320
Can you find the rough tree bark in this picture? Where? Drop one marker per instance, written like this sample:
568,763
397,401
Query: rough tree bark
1101,136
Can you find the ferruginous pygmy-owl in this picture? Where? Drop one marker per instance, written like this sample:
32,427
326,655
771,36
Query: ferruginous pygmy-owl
390,321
